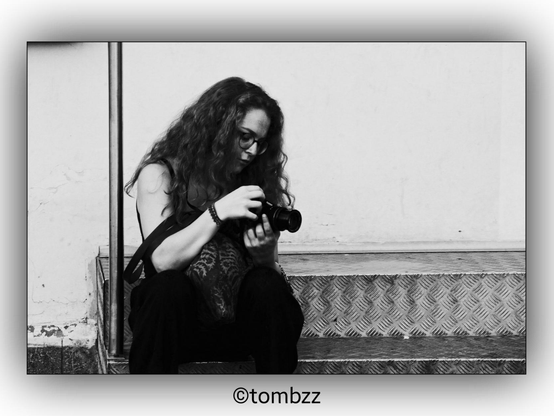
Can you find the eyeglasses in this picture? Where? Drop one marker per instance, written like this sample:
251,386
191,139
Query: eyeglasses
246,140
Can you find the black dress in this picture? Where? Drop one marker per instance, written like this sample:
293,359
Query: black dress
167,331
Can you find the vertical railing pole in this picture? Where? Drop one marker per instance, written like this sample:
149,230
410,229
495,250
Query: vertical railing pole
115,346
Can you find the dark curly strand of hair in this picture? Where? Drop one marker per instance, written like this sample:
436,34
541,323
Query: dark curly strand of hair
202,138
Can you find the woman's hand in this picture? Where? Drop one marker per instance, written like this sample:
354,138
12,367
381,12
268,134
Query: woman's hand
240,203
261,243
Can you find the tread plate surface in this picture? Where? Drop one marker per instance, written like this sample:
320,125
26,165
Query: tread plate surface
387,355
464,311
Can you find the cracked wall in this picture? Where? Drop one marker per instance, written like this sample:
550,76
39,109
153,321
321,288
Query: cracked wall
67,184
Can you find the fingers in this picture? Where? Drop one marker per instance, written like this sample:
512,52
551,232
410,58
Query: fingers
261,241
257,242
261,232
254,204
266,226
254,192
255,237
254,195
256,234
247,239
244,202
250,215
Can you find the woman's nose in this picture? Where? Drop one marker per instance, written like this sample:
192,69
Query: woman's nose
253,150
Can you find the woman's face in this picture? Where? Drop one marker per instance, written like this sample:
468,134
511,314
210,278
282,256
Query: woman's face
253,128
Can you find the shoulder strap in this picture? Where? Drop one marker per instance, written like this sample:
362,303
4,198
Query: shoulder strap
130,274
166,228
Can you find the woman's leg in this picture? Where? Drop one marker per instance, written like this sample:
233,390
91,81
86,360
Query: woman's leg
163,315
271,320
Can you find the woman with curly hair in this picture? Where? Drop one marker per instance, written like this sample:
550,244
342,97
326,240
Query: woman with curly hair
219,160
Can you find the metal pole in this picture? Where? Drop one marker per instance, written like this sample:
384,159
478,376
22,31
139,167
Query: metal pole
116,200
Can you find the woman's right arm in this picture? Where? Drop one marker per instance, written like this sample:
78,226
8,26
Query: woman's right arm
178,250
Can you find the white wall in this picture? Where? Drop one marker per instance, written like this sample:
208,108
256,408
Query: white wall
410,145
67,178
390,145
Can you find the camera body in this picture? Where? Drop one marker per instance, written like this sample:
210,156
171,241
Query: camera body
280,218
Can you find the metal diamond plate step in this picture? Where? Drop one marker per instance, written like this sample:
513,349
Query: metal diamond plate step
386,355
397,294
480,304
404,263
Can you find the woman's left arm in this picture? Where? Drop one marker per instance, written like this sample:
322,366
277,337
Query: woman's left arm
261,242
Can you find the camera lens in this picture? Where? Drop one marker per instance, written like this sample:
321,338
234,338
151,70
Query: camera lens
288,220
295,220
281,218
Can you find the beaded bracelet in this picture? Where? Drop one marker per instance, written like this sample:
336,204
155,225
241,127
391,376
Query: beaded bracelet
214,215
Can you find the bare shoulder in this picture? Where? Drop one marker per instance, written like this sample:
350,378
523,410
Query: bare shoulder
152,195
153,178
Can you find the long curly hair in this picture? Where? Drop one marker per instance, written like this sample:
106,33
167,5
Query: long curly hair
203,144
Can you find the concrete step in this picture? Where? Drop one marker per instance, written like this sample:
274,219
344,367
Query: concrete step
389,296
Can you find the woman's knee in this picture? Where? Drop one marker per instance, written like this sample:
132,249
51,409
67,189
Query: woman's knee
266,294
264,281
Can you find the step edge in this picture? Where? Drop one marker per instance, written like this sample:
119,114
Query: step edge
292,249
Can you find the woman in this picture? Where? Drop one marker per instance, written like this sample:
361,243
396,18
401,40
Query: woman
219,159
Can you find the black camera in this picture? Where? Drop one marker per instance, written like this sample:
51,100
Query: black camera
280,218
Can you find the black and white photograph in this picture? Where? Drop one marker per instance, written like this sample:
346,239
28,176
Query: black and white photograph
341,217
278,208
